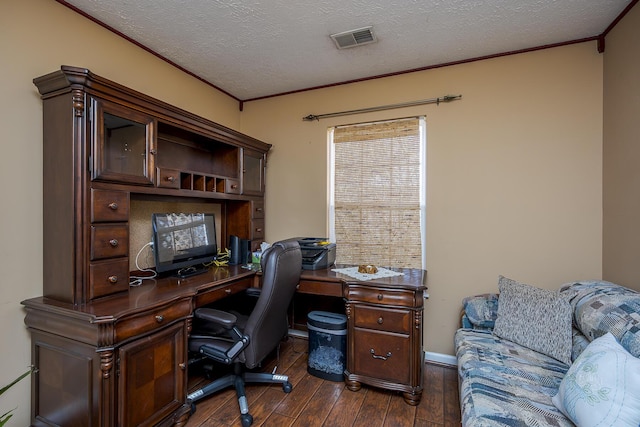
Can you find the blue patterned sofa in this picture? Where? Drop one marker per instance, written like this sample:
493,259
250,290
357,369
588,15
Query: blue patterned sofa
507,378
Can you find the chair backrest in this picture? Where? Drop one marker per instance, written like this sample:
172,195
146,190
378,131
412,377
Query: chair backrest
267,324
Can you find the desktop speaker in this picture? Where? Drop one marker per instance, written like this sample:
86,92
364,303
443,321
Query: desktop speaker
245,251
234,248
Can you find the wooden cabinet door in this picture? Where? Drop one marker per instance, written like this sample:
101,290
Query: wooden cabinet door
253,172
152,377
123,144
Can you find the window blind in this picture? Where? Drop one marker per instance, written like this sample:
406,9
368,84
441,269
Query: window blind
376,193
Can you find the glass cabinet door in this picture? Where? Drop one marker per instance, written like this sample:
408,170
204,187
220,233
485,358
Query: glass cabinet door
252,172
123,144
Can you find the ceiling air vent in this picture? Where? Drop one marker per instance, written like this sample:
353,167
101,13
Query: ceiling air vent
354,38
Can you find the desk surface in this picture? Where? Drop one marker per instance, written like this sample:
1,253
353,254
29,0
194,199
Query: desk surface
157,292
410,278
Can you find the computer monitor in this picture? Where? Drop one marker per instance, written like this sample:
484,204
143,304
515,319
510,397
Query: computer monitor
184,242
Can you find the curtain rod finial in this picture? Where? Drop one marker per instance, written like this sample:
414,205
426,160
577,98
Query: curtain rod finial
310,118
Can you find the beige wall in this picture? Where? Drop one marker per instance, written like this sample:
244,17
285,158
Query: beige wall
514,170
621,249
36,37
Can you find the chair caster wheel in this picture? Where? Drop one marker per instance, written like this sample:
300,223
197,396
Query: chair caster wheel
287,387
193,409
246,419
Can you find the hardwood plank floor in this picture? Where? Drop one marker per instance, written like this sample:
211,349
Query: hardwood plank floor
317,402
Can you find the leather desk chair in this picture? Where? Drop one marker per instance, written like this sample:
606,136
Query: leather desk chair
244,342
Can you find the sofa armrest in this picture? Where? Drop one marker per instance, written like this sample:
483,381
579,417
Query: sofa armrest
480,311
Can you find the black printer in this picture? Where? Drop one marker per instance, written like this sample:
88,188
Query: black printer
317,252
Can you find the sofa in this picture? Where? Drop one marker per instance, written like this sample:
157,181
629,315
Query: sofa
534,357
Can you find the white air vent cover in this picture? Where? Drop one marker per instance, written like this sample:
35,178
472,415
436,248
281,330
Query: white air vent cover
354,38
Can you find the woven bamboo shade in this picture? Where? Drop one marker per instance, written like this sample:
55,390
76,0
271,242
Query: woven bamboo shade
377,194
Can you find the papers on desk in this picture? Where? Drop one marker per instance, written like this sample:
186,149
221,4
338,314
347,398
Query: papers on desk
353,272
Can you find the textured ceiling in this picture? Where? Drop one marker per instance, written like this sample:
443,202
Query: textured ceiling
252,49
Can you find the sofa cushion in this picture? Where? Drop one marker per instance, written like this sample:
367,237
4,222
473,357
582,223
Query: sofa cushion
601,307
505,384
538,319
602,387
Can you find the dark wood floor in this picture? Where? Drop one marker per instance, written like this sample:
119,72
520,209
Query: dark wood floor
317,402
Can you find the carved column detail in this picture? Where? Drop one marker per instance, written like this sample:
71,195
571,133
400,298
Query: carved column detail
78,102
106,363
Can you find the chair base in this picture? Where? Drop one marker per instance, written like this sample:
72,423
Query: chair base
238,379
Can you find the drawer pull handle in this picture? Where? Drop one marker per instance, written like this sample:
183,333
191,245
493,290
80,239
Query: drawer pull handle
159,318
259,209
171,178
380,296
376,356
153,151
380,320
113,242
113,206
113,279
234,186
227,291
258,230
182,366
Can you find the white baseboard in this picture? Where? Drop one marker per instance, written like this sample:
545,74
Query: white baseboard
445,359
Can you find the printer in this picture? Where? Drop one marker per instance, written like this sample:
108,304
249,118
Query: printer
317,252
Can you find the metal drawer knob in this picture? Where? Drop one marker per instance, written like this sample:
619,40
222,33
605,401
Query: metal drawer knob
380,320
171,178
113,242
159,318
113,279
234,186
380,296
113,206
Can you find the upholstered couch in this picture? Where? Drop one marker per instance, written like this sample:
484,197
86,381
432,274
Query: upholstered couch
534,357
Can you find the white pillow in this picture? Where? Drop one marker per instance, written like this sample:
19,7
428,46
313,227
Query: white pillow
602,387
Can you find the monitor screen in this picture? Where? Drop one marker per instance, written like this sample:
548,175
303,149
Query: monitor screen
183,240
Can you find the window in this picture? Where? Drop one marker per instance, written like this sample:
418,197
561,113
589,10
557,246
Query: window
377,193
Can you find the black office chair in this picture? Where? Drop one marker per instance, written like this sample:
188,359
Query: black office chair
243,342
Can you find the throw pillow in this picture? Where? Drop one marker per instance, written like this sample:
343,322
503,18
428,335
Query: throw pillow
602,387
538,319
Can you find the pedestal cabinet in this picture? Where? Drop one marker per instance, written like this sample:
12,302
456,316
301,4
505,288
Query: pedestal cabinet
107,354
384,337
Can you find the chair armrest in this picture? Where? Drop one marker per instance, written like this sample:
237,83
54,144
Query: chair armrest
219,317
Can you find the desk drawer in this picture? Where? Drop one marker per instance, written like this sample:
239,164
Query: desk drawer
372,317
381,355
151,320
317,287
386,296
109,206
257,210
108,277
257,229
170,178
214,294
109,241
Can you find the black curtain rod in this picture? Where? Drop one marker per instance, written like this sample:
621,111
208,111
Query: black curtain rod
437,101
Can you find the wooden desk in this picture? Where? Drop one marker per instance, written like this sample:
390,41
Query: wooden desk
120,360
91,358
384,321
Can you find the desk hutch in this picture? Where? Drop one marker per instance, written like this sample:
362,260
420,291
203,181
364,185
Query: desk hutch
107,354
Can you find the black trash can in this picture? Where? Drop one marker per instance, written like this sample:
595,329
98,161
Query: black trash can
327,345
